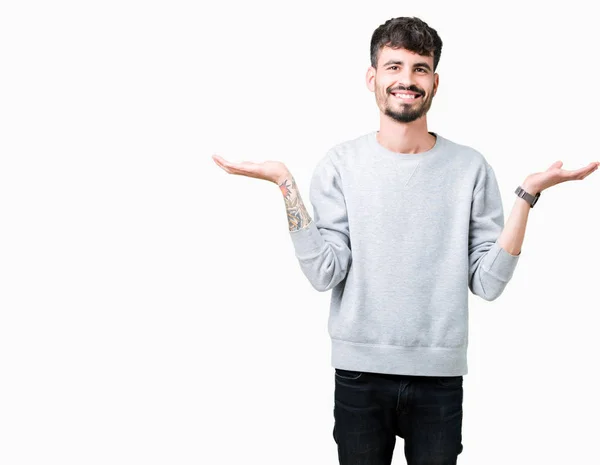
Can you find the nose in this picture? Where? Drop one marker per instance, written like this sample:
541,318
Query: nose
406,78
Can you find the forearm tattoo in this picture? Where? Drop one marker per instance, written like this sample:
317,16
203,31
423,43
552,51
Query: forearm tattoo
298,217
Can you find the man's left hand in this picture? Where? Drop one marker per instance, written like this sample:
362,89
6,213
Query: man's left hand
537,182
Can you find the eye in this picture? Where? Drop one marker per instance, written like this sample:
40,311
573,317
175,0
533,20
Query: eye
422,69
392,67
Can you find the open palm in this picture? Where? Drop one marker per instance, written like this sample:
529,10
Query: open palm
268,170
555,175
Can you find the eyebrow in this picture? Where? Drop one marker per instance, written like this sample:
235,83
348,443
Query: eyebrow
397,62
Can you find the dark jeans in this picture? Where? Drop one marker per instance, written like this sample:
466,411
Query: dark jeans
372,409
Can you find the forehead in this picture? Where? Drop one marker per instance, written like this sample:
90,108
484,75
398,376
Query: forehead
401,54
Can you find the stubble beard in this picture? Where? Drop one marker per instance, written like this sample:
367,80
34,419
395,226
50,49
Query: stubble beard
409,112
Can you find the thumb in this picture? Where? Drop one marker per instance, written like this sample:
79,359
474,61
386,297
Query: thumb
556,164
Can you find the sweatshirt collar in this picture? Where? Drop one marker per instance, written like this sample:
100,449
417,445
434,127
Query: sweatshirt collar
375,145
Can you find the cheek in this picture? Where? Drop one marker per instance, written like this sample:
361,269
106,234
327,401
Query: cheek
426,85
382,87
382,92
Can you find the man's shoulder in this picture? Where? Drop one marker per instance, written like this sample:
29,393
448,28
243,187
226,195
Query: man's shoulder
466,152
350,145
341,153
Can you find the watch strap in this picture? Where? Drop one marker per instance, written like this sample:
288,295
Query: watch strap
530,198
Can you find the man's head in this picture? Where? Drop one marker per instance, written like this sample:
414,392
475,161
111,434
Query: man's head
405,53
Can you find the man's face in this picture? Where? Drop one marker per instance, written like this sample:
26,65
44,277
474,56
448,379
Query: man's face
404,84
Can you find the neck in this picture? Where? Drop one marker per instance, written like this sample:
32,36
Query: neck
405,137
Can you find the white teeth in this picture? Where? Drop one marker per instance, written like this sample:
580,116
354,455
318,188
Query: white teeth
405,95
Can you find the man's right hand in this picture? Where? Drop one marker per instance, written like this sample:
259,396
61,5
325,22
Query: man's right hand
277,172
273,171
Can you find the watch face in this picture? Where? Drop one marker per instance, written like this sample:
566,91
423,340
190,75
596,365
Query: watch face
535,199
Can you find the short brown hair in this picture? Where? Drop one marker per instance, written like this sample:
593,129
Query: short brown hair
407,32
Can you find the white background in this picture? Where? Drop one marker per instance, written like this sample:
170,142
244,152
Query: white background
152,308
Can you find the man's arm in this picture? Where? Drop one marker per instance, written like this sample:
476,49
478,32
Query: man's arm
513,233
298,217
322,245
511,238
491,266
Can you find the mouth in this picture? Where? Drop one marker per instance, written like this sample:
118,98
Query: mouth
407,97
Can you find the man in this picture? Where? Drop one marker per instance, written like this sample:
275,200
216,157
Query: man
405,222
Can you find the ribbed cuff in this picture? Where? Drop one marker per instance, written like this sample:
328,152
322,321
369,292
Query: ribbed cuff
502,264
307,241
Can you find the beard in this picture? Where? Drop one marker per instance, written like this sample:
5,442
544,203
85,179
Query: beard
405,112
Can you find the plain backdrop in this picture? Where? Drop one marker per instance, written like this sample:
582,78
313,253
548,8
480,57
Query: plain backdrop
152,310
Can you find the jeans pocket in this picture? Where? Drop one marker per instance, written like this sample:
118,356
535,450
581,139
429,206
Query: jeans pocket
347,374
449,381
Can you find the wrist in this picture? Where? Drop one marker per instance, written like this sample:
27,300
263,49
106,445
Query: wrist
528,192
282,177
530,188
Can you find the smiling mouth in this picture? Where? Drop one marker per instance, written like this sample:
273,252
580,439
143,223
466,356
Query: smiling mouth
405,97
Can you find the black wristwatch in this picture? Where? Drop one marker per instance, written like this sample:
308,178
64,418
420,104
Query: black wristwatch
531,199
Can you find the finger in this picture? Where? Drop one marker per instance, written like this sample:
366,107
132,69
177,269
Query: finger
575,173
244,168
240,168
222,161
236,165
593,169
224,168
584,172
224,164
581,173
587,174
219,163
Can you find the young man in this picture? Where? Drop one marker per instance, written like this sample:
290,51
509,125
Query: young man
405,222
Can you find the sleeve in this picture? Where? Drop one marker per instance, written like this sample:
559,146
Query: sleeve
490,266
323,246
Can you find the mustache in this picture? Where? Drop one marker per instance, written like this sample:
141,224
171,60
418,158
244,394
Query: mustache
410,88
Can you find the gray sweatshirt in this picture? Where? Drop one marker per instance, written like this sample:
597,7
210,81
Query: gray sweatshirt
400,239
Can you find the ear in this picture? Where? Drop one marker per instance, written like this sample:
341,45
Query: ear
436,83
370,79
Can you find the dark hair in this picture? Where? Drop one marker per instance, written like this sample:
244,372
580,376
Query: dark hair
410,33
